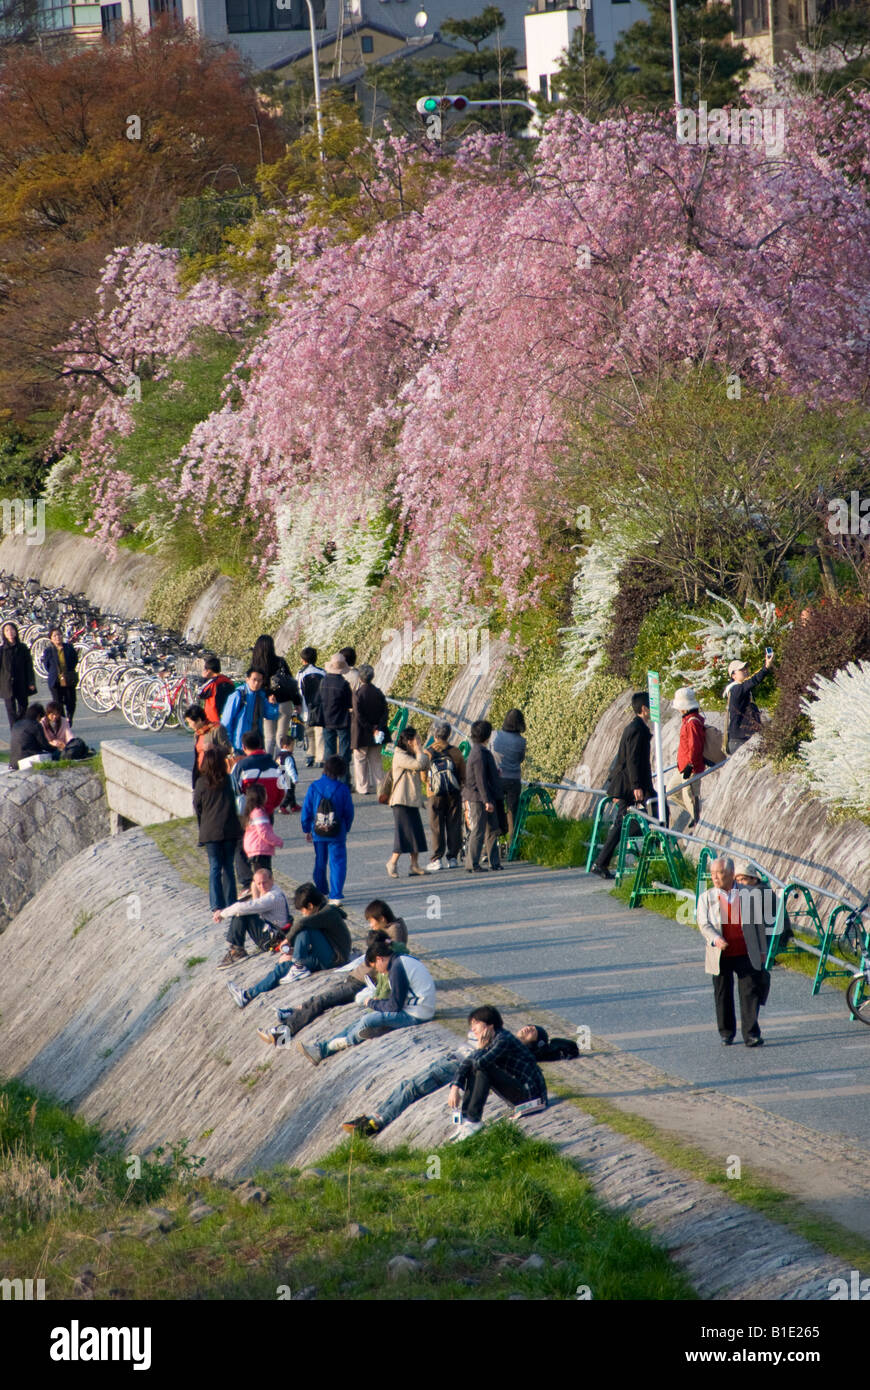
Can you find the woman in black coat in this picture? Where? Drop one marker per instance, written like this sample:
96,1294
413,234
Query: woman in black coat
219,826
369,716
17,681
61,659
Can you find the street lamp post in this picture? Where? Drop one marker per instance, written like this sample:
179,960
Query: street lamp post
675,47
316,67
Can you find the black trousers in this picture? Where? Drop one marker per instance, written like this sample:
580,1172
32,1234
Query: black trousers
750,985
488,1077
244,872
15,708
608,849
65,696
445,826
344,991
252,925
482,835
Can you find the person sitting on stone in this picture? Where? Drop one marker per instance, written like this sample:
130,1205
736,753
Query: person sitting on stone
319,940
344,987
410,1001
27,739
500,1063
443,1069
261,916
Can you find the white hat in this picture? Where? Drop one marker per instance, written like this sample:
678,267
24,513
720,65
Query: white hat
685,698
734,666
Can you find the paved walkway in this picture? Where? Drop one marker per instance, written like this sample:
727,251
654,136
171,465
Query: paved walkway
796,1109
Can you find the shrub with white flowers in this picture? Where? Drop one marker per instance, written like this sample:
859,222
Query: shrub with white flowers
324,571
721,637
837,757
595,585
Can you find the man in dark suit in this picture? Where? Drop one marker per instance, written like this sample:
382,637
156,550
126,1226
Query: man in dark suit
61,660
631,778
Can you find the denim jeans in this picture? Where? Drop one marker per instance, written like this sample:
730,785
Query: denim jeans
341,737
423,1084
272,980
334,854
221,879
376,1019
312,949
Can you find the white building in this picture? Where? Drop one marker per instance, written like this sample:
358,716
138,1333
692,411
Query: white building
267,34
550,29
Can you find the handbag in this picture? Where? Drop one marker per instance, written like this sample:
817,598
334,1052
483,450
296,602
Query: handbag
386,789
712,957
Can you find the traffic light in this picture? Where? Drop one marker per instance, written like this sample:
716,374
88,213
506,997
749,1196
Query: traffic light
433,106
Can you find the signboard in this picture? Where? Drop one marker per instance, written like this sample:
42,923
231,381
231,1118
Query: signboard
655,696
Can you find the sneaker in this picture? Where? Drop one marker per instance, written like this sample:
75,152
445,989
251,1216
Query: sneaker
363,1124
453,863
296,972
529,1107
295,809
335,902
312,1052
234,954
275,1037
465,1129
284,1015
239,996
755,1042
284,810
433,866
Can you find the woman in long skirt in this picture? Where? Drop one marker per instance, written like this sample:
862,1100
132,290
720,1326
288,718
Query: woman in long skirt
406,799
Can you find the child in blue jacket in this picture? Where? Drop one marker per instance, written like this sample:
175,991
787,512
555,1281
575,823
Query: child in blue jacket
327,815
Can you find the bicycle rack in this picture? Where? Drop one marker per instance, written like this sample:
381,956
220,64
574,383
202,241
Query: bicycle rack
655,846
596,842
809,910
630,842
533,792
831,938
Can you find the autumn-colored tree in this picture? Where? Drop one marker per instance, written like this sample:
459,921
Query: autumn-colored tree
97,147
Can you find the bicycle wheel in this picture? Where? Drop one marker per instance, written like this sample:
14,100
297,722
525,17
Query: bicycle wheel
155,705
186,697
93,688
37,651
858,999
130,701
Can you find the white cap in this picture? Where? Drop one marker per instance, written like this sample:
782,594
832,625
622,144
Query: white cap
734,666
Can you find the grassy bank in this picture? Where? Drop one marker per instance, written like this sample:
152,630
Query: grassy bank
471,1216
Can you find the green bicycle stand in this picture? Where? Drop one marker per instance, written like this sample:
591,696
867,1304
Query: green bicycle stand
656,847
598,831
831,938
532,793
808,910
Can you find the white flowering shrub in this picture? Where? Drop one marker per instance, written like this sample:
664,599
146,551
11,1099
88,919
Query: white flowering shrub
325,564
720,638
837,757
595,586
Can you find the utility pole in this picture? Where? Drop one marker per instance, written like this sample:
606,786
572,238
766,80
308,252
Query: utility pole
316,67
675,48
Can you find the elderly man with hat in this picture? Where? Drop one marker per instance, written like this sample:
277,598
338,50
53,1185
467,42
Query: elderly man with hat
744,716
690,753
730,923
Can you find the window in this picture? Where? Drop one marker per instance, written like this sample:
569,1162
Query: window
157,9
751,17
544,86
111,20
258,16
368,43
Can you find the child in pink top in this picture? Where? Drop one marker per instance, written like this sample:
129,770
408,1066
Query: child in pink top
260,840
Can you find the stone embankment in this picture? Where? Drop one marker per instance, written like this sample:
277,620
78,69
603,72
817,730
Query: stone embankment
118,1010
45,819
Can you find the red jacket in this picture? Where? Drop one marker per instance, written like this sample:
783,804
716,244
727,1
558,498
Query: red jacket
691,749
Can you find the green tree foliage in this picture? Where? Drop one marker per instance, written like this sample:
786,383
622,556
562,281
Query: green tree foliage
721,493
837,53
641,73
481,71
